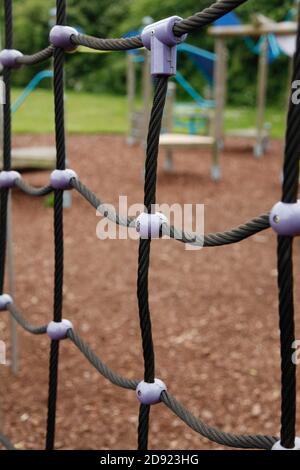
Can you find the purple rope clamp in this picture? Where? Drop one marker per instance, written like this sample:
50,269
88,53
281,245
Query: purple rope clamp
5,299
8,58
60,179
60,36
161,41
285,219
149,225
278,446
149,393
8,178
58,330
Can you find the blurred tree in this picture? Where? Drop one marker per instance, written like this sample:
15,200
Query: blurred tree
104,18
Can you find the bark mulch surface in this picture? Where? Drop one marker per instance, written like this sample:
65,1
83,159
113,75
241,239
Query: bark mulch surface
214,311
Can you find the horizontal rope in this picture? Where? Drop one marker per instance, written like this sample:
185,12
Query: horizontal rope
36,330
31,190
6,443
235,235
122,44
36,58
102,368
213,434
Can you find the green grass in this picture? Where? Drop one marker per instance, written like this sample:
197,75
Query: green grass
92,113
85,113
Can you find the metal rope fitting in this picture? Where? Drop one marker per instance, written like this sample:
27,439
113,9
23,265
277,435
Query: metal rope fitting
161,41
58,330
60,36
5,299
149,393
8,178
9,58
60,179
278,446
285,219
149,225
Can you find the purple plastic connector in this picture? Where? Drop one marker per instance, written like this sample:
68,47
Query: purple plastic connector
58,330
5,299
60,179
60,36
285,219
149,393
161,41
8,178
8,58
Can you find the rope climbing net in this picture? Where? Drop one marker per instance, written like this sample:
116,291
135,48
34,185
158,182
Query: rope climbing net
164,36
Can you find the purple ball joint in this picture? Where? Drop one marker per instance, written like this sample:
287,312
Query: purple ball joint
60,36
278,446
285,219
60,179
149,393
5,299
161,41
8,58
8,178
58,330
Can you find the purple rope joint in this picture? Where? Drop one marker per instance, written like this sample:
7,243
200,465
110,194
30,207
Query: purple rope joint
5,299
161,41
278,446
60,179
149,393
149,225
58,330
8,178
8,58
285,219
61,36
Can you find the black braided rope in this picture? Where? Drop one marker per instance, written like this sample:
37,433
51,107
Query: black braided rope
206,17
144,250
122,44
285,270
58,225
8,22
36,58
213,434
36,330
6,443
31,190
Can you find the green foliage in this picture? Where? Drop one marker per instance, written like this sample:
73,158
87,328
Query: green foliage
106,18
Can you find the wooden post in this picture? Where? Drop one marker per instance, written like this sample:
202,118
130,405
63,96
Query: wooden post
220,73
261,97
131,89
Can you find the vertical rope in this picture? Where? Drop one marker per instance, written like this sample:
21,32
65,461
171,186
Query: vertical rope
8,42
285,270
58,226
144,252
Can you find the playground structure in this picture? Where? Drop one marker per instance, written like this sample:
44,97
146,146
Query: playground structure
204,113
284,219
263,29
32,158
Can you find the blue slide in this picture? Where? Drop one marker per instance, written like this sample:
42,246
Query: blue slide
30,88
